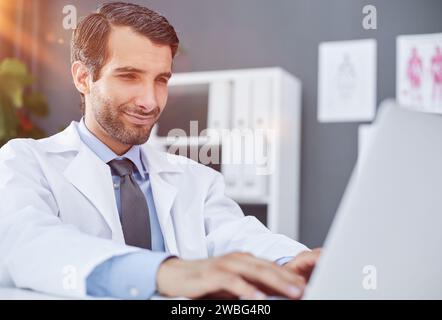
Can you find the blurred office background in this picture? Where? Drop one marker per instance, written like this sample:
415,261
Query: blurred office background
233,34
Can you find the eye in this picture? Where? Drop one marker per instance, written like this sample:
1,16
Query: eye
163,80
127,76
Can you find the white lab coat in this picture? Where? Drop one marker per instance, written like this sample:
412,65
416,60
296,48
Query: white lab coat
59,220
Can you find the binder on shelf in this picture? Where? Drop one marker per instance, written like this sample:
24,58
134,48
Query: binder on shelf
220,95
234,148
255,179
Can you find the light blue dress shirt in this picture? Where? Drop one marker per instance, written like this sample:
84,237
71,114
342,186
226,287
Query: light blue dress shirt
130,276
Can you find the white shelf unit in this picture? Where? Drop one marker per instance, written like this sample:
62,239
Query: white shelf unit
266,100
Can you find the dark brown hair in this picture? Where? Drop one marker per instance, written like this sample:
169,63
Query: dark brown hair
90,38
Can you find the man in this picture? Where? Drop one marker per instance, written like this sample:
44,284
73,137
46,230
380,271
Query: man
94,210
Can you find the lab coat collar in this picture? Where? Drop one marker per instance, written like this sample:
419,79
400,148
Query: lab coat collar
105,153
99,191
92,177
69,140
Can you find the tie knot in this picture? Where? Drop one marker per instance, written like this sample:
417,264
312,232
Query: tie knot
121,167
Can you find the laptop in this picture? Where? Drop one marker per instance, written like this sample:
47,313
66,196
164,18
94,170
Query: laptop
386,239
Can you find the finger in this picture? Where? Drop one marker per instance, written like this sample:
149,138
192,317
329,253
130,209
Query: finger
304,263
236,286
303,260
265,274
287,275
310,255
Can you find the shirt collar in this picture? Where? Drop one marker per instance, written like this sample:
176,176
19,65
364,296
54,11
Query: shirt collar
105,153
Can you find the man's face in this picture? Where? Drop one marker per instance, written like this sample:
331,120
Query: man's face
131,92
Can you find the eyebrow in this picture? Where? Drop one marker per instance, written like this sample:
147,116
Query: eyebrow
135,70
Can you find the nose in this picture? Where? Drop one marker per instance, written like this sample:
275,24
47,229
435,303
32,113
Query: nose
147,100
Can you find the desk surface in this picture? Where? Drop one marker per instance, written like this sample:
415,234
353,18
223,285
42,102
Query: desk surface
22,294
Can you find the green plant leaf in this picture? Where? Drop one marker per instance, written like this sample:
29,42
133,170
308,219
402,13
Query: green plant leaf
2,123
8,120
37,104
15,121
14,77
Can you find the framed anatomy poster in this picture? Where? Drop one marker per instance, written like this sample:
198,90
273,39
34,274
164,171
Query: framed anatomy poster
347,81
419,72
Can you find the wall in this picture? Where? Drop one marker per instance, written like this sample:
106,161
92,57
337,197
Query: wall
259,33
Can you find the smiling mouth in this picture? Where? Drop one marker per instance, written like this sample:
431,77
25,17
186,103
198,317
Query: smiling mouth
138,119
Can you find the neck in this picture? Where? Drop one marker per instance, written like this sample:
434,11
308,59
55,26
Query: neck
95,128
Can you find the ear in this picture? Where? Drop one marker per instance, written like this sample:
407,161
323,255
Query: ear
80,75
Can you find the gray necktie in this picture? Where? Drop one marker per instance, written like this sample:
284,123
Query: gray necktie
134,210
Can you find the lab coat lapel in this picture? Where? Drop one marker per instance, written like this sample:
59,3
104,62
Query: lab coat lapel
164,193
164,196
93,179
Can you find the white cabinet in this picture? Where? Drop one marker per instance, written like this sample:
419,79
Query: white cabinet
246,124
